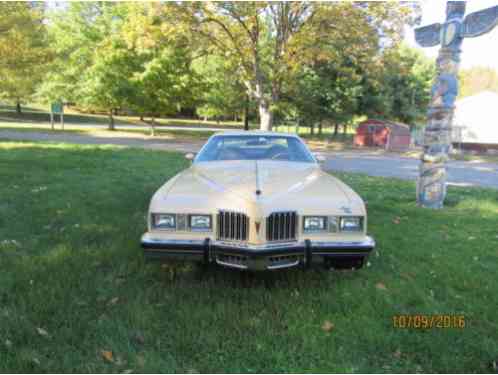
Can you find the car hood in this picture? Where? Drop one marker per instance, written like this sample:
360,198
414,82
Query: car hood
279,185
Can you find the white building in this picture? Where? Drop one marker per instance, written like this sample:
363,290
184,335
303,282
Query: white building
476,119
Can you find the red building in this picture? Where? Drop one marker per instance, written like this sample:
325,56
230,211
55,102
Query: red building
388,135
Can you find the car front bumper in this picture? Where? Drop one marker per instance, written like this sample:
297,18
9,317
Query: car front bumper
264,257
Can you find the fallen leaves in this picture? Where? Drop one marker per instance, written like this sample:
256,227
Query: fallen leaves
327,326
380,286
397,353
397,220
8,343
107,355
42,332
113,301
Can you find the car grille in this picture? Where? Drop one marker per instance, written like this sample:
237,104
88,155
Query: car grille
232,226
281,226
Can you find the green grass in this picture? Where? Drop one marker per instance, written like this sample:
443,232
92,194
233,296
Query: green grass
40,114
70,223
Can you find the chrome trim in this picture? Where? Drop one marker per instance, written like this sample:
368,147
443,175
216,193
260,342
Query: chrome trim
233,265
286,265
267,246
368,242
232,226
282,226
146,238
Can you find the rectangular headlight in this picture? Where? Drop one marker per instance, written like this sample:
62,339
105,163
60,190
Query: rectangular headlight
314,223
333,224
200,222
164,221
351,223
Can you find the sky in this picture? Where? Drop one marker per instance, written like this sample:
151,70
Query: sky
479,51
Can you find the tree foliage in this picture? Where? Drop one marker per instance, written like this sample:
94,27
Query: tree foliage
24,50
477,79
269,41
222,93
321,63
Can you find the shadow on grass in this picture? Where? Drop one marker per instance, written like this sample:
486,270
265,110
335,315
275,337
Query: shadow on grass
69,118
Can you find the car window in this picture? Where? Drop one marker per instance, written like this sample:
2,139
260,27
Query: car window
255,147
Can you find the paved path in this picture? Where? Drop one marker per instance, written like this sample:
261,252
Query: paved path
461,173
116,138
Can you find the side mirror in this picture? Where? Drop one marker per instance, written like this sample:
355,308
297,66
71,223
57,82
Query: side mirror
320,158
190,156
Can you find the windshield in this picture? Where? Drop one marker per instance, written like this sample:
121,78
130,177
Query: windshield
255,147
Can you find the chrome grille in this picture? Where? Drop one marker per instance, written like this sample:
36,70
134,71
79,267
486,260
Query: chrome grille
281,226
232,226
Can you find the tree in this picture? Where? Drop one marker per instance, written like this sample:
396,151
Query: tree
222,93
477,79
164,80
269,41
76,32
106,85
406,84
165,85
24,51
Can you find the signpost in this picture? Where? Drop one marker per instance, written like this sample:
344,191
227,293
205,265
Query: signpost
431,184
57,108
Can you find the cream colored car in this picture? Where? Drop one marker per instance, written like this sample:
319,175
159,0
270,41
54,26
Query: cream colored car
257,200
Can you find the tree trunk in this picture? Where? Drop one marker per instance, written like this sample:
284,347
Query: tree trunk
345,130
265,116
153,126
312,129
320,124
142,118
246,114
111,121
18,108
336,129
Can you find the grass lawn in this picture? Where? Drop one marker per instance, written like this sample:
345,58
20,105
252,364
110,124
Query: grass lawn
74,287
41,114
166,134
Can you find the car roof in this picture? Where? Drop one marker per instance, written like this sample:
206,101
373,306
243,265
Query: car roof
254,132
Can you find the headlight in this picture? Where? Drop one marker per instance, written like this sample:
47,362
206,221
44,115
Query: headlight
164,221
333,222
200,222
351,224
315,223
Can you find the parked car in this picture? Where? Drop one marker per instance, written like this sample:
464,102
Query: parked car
257,200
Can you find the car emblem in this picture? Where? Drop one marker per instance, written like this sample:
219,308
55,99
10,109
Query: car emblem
346,210
258,224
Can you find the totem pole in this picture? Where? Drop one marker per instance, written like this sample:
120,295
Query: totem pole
431,184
